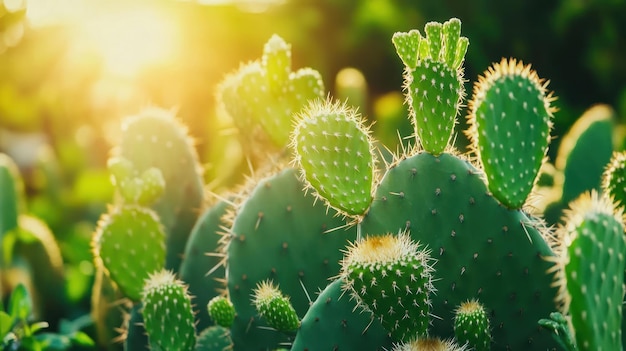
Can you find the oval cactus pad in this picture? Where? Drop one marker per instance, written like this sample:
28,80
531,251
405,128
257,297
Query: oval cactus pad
510,121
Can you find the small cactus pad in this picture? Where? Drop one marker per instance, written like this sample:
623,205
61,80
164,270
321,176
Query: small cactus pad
471,326
275,307
429,344
167,313
510,120
561,331
433,80
391,276
614,178
143,190
214,338
269,93
335,155
221,311
130,243
590,271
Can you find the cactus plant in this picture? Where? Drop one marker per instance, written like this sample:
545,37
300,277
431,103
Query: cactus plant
167,313
275,307
471,326
391,277
590,271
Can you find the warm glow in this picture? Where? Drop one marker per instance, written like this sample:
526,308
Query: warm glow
127,37
131,40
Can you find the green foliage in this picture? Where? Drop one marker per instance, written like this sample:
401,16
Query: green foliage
18,332
214,338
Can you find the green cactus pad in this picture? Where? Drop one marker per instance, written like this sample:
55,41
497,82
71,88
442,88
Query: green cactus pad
483,250
334,152
221,311
214,338
614,178
391,276
130,243
268,93
433,80
429,344
203,267
279,233
510,120
333,322
167,313
156,139
585,151
471,326
275,307
590,272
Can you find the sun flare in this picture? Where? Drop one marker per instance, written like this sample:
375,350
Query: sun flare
126,38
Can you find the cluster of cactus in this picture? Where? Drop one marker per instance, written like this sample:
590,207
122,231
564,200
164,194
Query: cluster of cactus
333,247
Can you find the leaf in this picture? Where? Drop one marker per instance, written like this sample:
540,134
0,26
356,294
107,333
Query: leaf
20,304
82,339
6,324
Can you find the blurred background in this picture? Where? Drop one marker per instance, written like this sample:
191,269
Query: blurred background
70,70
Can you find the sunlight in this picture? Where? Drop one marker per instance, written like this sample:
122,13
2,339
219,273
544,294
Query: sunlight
128,38
131,40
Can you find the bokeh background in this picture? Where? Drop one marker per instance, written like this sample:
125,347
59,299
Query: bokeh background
71,70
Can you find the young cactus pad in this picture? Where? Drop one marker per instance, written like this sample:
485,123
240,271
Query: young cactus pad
471,326
221,311
268,93
167,313
334,152
433,80
510,120
590,272
275,307
391,276
130,243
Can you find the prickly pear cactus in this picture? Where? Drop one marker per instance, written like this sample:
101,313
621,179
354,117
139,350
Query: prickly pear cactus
275,307
337,156
485,247
430,344
167,313
156,139
471,326
221,311
590,272
130,243
510,120
268,93
433,73
391,277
